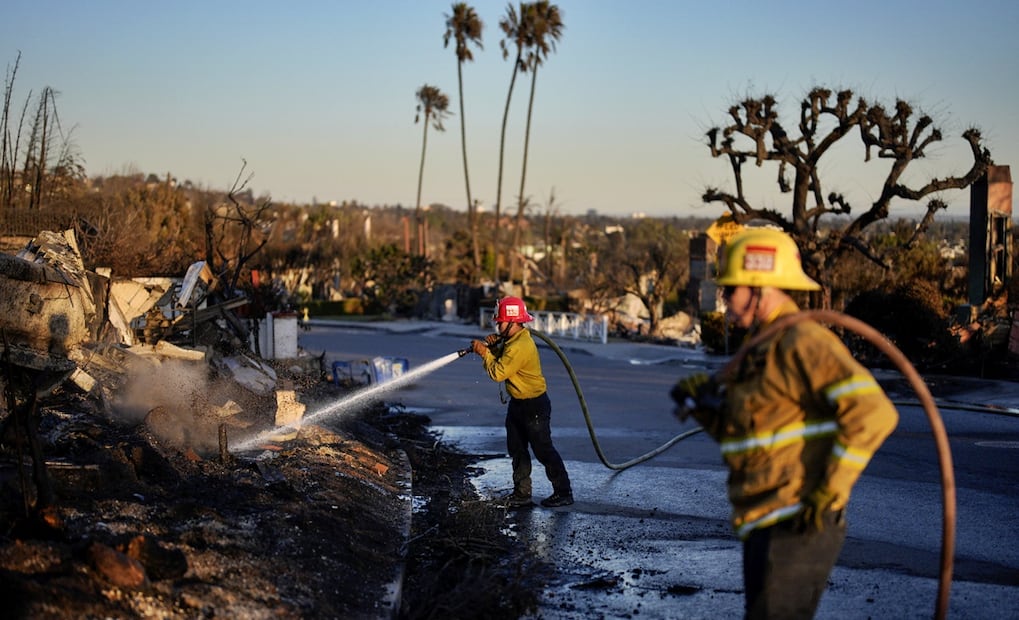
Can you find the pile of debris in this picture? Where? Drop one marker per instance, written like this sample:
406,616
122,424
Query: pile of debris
139,477
151,465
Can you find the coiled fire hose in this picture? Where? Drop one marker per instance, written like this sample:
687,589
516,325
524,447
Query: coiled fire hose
900,361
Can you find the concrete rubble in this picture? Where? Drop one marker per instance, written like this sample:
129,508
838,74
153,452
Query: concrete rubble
57,316
163,384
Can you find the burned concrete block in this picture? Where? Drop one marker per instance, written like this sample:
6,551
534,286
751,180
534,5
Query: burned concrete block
252,374
164,350
85,382
228,409
289,413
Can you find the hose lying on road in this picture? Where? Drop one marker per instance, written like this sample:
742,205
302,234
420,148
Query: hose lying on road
590,426
900,361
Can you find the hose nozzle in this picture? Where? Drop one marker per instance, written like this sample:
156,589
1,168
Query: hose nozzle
469,349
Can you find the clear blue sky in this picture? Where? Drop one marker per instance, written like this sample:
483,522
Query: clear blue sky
319,96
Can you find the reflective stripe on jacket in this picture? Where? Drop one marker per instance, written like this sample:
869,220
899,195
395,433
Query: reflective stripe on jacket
519,366
799,412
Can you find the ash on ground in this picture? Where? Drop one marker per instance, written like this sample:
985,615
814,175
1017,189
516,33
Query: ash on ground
121,497
313,527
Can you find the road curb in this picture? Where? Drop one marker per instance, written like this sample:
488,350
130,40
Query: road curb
404,511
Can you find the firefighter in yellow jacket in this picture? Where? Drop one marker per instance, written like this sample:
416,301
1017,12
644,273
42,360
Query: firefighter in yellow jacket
511,356
797,423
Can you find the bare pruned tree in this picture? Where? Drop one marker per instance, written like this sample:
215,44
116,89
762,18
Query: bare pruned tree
826,118
654,265
234,233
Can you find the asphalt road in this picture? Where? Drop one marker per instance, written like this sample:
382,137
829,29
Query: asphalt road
653,540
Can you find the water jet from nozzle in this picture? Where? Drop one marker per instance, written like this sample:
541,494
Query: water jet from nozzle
351,403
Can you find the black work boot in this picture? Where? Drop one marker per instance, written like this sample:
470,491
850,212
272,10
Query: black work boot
557,499
516,499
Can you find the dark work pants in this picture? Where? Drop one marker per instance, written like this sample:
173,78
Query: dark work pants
528,424
786,567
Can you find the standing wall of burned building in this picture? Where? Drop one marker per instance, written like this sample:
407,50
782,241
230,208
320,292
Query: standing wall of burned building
702,290
990,235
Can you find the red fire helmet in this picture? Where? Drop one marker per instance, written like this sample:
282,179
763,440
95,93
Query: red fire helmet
511,310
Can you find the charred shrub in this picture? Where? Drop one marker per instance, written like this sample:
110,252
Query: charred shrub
912,318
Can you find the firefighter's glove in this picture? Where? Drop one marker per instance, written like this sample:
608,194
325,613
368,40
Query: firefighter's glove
815,506
492,339
479,347
696,391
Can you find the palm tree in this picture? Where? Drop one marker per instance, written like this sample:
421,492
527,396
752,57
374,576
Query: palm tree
543,26
465,27
513,27
435,107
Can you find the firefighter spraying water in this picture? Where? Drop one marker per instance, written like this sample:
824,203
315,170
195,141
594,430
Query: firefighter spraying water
511,357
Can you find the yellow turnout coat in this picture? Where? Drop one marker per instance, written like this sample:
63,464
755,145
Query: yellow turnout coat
799,412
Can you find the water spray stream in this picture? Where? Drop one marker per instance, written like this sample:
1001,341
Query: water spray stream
351,402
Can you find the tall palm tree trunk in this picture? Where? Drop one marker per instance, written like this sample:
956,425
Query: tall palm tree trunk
522,201
421,176
472,209
498,189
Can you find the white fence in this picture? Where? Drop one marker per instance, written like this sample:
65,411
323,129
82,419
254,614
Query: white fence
562,324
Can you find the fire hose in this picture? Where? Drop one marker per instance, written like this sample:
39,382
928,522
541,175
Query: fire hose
886,347
587,414
590,426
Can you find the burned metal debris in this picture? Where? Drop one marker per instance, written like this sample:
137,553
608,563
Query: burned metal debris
62,324
120,397
120,495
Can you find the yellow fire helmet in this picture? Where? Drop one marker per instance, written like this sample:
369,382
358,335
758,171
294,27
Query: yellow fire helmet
764,257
